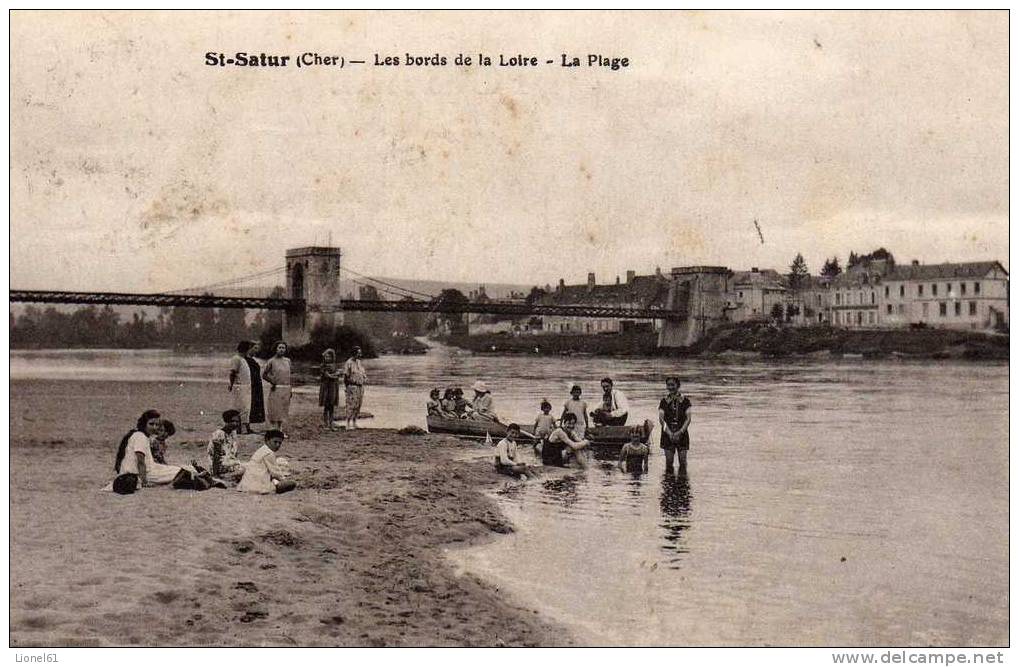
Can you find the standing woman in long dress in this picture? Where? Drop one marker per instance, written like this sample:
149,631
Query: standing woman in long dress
277,374
257,415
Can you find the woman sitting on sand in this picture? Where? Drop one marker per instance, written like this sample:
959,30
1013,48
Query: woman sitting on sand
134,455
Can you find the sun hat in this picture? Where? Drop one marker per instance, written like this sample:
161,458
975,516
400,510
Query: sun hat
480,387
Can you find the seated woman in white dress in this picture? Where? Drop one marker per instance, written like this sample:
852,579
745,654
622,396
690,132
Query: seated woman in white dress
262,474
134,455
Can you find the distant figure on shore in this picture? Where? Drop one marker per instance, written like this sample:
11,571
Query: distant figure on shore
633,457
506,461
578,408
354,380
614,408
482,408
246,386
329,388
277,374
262,474
564,444
674,417
159,438
222,448
134,454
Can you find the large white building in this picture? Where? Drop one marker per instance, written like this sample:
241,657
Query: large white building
968,295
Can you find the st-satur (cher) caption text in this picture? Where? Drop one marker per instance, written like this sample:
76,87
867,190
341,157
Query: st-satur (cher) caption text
516,61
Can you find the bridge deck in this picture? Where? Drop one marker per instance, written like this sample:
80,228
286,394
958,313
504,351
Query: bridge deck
270,303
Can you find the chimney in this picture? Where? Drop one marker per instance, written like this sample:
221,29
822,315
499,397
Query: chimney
915,262
590,281
630,275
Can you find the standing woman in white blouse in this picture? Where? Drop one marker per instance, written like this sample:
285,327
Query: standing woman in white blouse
277,374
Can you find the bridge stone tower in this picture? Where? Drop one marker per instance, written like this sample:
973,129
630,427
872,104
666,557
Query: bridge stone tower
700,291
313,276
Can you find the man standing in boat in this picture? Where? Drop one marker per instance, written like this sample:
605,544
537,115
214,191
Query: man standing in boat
614,408
674,417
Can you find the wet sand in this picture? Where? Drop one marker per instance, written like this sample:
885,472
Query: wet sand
354,557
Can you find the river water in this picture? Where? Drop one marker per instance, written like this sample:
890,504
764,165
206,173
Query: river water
827,502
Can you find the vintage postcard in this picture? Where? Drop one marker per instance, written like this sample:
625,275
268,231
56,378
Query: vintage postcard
506,328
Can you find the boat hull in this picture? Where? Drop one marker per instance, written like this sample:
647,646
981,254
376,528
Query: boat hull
605,439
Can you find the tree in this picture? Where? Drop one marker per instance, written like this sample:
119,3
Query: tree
777,311
853,260
798,272
536,295
452,301
831,267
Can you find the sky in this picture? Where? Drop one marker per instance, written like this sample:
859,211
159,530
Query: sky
137,167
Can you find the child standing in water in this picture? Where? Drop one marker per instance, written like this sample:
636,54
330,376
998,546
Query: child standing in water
544,423
578,408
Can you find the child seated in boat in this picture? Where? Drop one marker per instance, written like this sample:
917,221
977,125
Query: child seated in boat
506,461
633,457
222,448
564,444
262,474
434,405
459,403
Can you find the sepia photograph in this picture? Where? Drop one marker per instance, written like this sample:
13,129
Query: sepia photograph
460,329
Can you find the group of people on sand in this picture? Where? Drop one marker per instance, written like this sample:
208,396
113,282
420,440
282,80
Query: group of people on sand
559,443
141,462
255,404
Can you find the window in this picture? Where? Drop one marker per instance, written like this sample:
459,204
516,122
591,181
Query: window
886,291
972,307
859,317
919,290
870,317
872,297
819,299
741,295
958,308
902,290
924,306
838,298
962,288
942,308
948,288
901,309
976,288
934,290
889,309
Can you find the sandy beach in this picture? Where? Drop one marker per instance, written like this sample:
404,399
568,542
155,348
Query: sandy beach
354,557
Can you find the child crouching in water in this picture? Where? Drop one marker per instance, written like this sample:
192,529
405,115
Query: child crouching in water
506,454
633,456
262,474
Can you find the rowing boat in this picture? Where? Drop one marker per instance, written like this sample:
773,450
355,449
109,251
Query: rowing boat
603,438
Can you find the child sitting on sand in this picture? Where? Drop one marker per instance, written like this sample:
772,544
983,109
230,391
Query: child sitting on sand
222,448
633,457
262,474
158,440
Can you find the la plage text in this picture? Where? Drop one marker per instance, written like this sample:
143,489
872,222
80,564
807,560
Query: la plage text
314,59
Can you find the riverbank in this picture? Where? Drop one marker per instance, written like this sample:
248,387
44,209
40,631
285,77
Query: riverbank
756,339
761,339
354,557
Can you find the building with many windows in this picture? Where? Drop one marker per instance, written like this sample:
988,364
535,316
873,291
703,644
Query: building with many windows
968,295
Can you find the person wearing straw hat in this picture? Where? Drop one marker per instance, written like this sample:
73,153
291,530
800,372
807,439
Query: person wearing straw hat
482,408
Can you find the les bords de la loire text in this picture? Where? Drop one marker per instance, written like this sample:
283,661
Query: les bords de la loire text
312,59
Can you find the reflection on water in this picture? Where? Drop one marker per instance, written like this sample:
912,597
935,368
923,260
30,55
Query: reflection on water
837,502
675,504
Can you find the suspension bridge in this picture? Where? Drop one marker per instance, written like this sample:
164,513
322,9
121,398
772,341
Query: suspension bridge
312,297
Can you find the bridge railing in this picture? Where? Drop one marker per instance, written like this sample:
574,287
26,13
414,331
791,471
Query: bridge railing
402,306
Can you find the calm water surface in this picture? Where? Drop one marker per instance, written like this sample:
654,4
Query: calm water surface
826,502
